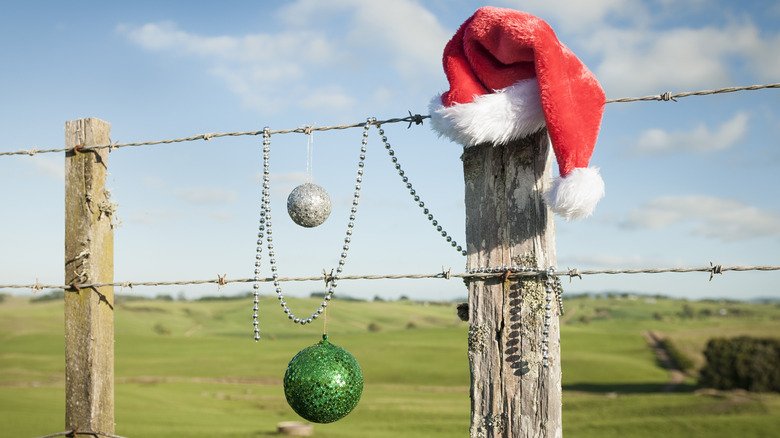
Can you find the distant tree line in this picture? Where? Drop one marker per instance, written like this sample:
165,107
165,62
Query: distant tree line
743,362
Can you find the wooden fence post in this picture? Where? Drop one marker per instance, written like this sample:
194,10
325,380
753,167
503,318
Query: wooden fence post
508,223
89,258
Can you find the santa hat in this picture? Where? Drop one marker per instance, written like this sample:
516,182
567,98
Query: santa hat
510,77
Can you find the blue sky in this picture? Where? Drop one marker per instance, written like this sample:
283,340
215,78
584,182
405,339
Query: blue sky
687,182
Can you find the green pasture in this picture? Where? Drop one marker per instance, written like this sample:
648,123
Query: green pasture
191,369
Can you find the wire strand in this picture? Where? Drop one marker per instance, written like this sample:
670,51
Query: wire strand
416,118
667,96
76,432
221,281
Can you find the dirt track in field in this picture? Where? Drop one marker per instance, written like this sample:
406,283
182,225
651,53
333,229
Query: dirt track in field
676,375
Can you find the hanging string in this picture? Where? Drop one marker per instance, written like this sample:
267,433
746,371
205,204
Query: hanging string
325,322
310,158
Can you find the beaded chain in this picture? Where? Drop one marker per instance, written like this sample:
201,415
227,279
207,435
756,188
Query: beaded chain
552,287
416,197
265,230
265,206
504,269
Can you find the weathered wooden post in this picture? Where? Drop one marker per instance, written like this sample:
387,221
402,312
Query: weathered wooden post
89,258
508,223
511,83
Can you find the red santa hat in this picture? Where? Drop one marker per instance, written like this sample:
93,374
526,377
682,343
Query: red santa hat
509,77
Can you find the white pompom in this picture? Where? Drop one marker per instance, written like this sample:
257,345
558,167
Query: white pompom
575,195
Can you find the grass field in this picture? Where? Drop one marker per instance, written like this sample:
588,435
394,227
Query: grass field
190,369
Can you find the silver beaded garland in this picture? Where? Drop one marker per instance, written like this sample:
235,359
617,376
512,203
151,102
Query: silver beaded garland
265,231
550,287
265,218
309,207
416,196
559,293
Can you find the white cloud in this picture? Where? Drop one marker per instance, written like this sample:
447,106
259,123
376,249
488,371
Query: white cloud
699,139
217,215
725,219
629,47
651,61
410,33
636,51
50,167
383,95
303,64
258,68
203,195
764,57
572,16
332,97
153,217
609,261
167,36
153,182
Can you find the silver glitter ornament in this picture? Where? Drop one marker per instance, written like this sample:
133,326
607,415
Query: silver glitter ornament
308,205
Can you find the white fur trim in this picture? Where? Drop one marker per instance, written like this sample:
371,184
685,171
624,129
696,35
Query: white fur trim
508,114
575,195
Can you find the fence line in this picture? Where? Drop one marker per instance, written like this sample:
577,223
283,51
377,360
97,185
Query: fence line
76,432
473,274
416,119
508,272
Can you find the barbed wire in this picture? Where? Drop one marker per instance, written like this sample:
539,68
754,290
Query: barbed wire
416,119
482,273
667,96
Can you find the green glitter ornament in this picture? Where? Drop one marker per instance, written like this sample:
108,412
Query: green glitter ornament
323,383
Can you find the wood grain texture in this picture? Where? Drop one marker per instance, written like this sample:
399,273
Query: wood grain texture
508,223
89,258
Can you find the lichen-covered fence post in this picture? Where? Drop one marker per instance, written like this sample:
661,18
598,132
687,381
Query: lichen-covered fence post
508,223
89,258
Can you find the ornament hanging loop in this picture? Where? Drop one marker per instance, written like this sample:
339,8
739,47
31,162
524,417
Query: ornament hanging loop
308,130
